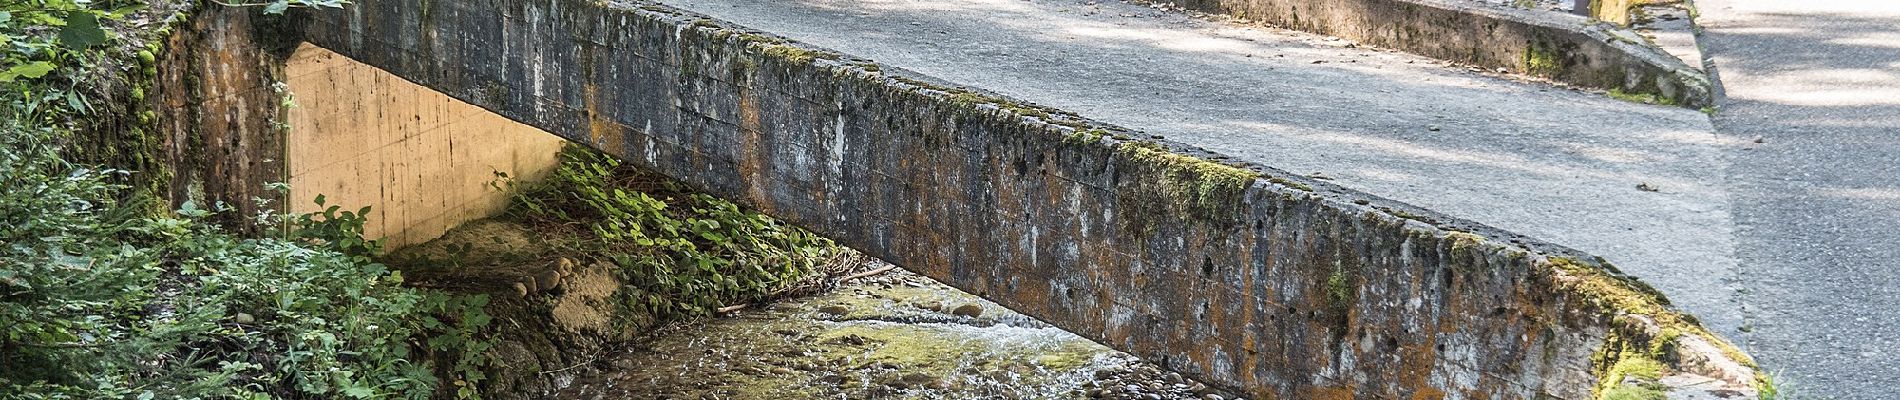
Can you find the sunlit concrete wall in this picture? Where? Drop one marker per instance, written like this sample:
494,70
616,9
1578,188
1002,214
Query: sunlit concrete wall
421,160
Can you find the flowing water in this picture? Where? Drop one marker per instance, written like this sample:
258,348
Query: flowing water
892,336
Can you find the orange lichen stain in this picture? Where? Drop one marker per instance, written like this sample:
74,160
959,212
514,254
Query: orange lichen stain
1427,393
1329,393
1417,361
603,133
752,160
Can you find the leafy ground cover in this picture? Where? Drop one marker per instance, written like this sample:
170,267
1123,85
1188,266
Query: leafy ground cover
108,292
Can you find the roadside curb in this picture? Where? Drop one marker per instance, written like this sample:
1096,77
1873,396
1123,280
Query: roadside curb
1562,47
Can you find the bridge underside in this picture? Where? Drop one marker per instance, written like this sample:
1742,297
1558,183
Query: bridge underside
1240,275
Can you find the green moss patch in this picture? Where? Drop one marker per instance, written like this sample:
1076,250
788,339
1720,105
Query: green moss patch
1631,348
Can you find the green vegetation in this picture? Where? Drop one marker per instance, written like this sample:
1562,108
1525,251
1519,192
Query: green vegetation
1634,378
1628,349
1205,187
103,297
1340,289
1085,136
1645,98
687,253
1542,61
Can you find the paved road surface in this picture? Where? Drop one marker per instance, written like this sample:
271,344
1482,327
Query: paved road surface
1551,163
1818,202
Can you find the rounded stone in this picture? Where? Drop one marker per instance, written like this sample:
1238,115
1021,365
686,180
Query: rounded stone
968,310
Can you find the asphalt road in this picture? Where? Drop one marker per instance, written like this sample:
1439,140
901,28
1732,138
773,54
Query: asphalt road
1551,163
1817,202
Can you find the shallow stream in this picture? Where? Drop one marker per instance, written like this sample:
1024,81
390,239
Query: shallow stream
892,336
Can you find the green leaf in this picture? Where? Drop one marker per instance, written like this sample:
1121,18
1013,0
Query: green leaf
82,30
277,7
28,70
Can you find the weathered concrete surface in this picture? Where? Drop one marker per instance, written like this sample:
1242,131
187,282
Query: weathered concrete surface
1244,277
1817,202
1553,164
422,161
1563,47
221,119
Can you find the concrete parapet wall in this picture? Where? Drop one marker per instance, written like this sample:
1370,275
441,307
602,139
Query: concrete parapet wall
1562,47
1240,275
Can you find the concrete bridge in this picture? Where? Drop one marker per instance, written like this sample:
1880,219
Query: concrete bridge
1271,283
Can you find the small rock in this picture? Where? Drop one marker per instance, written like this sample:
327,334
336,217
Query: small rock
521,290
1211,396
935,306
243,318
918,378
853,340
1645,186
549,279
834,309
1101,374
939,384
1759,139
1433,128
968,310
781,370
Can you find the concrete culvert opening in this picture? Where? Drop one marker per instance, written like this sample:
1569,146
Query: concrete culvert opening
438,176
1243,277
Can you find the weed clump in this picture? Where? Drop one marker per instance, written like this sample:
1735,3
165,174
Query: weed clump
687,253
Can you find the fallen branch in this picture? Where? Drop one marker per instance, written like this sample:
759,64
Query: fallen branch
867,274
731,308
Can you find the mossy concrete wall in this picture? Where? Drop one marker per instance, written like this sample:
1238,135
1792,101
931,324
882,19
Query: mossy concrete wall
1239,275
422,161
1563,47
218,114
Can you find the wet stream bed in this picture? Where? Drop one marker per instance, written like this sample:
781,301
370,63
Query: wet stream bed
895,335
